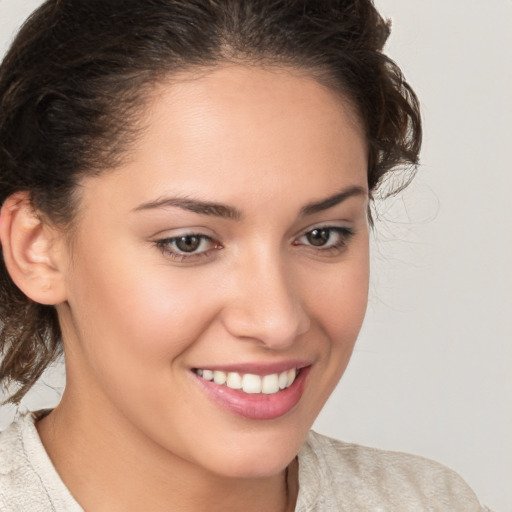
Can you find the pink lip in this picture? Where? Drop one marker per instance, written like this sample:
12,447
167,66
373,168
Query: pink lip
257,406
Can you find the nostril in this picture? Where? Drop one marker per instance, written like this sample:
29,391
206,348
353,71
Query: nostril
275,327
262,301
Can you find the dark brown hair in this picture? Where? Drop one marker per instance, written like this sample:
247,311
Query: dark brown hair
75,79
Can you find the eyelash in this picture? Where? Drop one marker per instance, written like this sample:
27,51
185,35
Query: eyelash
344,235
176,254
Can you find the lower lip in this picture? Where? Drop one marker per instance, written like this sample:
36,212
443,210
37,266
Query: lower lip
257,406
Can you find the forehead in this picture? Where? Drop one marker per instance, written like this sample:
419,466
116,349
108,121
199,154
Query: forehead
240,100
219,132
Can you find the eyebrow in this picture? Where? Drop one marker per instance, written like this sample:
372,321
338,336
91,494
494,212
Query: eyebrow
194,205
325,204
229,212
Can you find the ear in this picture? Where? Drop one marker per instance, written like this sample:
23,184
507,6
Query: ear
32,251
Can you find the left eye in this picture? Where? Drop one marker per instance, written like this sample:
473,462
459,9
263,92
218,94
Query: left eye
326,237
188,244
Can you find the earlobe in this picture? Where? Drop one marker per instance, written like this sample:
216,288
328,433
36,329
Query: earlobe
30,252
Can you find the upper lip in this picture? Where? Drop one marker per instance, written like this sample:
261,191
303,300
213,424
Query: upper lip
258,368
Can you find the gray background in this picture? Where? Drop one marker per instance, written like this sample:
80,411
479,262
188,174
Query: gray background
431,373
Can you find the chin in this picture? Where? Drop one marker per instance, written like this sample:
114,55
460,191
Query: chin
251,467
255,455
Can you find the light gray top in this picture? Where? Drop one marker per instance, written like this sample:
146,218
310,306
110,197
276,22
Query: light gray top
333,476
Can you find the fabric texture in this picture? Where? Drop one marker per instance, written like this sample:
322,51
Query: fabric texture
337,476
333,476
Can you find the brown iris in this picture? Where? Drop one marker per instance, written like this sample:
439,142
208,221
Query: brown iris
318,237
188,243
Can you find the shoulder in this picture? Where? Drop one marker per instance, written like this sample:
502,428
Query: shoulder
20,488
362,478
26,480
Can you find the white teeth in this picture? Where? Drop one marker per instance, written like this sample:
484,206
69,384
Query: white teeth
207,374
283,380
234,381
291,377
251,383
270,384
219,377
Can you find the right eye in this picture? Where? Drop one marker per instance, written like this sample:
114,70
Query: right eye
327,239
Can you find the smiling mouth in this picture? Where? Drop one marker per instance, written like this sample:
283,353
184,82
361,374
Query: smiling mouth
252,392
251,383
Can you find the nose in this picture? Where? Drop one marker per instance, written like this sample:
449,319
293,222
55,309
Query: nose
265,306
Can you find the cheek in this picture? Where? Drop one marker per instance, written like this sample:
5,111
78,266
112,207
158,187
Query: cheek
340,303
133,314
339,307
345,307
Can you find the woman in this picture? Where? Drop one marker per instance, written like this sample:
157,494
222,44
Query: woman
185,197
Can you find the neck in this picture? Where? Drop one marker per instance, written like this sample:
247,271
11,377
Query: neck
108,465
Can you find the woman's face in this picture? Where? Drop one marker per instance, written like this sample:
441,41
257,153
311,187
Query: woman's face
232,245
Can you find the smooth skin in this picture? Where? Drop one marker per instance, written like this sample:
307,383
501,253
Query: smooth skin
135,431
